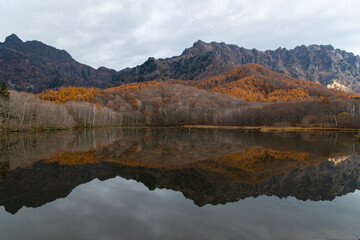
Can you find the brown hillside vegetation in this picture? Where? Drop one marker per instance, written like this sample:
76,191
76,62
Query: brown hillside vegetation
250,82
255,83
248,95
272,99
166,104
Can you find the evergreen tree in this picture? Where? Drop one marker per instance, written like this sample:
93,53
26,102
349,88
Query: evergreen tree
4,102
4,92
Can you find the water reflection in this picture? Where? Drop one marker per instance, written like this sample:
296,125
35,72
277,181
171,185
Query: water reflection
4,168
122,209
206,166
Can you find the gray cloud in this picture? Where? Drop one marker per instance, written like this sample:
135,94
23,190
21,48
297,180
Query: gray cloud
124,33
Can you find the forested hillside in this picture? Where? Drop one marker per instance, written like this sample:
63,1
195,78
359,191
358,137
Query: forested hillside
249,95
252,82
249,82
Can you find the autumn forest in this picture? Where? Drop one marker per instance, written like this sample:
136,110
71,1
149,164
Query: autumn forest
249,95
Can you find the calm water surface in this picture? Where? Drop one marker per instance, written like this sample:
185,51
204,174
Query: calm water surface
179,183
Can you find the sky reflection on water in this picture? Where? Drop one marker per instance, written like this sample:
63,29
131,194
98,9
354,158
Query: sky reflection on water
125,209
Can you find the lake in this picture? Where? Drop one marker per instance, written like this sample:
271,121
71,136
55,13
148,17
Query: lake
179,183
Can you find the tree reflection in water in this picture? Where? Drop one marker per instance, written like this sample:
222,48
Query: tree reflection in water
207,166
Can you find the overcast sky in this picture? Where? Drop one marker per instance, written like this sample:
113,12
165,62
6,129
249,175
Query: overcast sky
124,33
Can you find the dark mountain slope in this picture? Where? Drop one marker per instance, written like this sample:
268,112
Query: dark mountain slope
33,66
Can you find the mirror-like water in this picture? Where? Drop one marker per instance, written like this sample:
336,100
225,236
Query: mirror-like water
173,183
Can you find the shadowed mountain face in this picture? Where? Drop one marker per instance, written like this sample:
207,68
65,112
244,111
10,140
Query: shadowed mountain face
207,166
33,66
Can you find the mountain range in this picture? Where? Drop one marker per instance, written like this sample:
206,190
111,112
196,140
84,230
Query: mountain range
33,66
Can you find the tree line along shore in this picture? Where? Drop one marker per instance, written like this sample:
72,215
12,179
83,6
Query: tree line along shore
168,104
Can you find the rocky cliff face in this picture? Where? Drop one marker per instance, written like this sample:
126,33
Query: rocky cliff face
318,63
33,66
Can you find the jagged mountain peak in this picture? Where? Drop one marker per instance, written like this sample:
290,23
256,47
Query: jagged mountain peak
13,41
315,47
35,48
202,47
199,43
199,47
13,38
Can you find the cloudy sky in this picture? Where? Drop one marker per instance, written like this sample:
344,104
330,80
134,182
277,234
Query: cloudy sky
124,33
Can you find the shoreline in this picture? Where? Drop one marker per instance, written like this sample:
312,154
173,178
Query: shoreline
275,129
258,128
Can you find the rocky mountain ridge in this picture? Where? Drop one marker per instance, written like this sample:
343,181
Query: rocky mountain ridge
317,63
34,66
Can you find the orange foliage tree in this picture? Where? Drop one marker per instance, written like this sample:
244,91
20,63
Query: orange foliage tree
65,94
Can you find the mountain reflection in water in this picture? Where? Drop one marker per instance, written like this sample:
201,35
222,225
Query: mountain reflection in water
207,166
